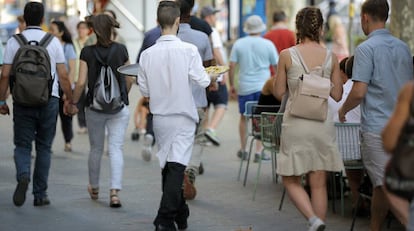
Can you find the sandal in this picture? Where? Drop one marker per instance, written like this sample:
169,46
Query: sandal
93,192
114,199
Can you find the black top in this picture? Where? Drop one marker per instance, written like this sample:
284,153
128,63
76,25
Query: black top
268,100
119,58
201,25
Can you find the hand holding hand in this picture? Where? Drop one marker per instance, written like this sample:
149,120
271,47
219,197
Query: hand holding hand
69,108
4,109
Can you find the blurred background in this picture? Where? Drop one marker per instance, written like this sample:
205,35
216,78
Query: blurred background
138,16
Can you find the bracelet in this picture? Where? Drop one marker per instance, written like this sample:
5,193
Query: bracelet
2,102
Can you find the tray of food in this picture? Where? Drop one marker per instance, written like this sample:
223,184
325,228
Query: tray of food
216,70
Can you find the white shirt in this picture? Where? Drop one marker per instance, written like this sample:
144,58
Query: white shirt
353,116
167,70
54,48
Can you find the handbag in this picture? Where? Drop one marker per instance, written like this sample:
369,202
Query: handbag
310,100
399,174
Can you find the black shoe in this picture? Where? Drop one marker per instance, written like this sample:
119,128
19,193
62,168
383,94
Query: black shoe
41,201
19,196
164,228
181,219
201,169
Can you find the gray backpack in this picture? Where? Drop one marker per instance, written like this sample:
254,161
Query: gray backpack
31,80
106,93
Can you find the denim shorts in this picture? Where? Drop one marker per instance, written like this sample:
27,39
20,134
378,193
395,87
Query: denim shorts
218,98
244,98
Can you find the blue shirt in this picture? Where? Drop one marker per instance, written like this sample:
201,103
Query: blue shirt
201,41
150,37
254,55
385,64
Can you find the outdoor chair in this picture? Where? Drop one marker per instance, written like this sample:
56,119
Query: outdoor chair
255,131
270,130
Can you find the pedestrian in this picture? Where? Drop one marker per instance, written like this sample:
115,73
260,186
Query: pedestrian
339,42
219,97
115,122
308,147
280,34
79,42
382,65
172,103
391,134
34,123
253,55
59,30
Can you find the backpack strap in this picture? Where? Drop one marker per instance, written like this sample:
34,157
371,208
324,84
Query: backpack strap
302,62
46,40
20,39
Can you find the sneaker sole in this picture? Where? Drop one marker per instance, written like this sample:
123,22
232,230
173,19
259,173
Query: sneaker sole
19,196
321,228
213,140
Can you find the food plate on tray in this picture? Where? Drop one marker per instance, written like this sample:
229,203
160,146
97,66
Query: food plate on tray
216,70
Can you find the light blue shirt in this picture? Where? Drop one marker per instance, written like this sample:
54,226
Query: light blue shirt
1,53
254,55
385,64
201,41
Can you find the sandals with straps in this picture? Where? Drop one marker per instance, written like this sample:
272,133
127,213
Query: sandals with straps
114,201
93,192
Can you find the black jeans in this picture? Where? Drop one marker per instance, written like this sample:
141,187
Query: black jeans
81,114
66,123
173,207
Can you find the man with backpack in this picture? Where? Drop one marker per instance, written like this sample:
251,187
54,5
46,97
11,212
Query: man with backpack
35,100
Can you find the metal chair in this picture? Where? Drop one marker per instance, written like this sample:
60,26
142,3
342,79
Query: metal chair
248,112
255,130
348,140
270,130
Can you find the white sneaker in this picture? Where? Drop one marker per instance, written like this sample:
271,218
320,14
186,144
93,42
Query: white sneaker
318,225
147,151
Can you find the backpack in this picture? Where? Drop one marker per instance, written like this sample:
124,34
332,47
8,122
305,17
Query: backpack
31,79
399,174
106,93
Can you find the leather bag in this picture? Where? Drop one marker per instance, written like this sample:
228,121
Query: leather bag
310,100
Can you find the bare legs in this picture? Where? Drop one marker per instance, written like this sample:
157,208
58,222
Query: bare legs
399,206
309,207
379,208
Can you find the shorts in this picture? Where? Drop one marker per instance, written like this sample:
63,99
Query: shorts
218,98
374,157
244,98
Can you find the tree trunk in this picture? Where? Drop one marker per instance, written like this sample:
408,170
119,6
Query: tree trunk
402,21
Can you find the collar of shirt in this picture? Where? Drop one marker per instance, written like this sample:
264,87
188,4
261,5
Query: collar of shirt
33,27
184,26
168,37
379,32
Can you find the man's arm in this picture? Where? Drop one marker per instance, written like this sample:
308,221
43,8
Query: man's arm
4,85
355,97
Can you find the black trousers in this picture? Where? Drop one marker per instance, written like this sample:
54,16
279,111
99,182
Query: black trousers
81,113
66,123
173,208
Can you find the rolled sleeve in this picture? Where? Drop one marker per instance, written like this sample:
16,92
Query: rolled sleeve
363,65
142,82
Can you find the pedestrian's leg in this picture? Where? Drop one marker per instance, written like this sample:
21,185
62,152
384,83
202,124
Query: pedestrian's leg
379,208
46,129
172,196
298,195
81,113
66,125
117,126
399,206
242,132
96,126
319,197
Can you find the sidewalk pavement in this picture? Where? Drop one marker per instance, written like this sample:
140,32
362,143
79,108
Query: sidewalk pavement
222,203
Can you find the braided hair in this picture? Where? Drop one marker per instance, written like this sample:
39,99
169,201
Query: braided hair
309,22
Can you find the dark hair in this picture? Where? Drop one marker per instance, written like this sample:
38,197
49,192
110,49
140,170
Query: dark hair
66,36
279,16
309,23
346,66
111,12
33,13
185,8
104,25
167,13
82,23
377,9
